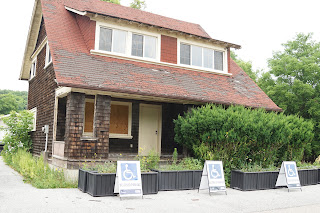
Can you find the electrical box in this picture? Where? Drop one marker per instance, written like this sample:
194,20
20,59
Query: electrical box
45,129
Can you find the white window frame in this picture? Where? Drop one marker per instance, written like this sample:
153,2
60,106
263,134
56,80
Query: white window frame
34,121
128,135
47,62
33,71
219,49
129,31
89,134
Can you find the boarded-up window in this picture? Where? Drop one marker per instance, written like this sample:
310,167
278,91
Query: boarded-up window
89,114
119,119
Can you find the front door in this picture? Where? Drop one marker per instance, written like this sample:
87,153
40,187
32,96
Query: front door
150,129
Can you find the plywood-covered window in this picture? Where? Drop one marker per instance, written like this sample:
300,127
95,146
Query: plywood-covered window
89,117
120,120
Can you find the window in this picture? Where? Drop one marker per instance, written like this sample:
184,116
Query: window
33,68
127,43
48,55
34,121
89,117
201,57
120,120
112,40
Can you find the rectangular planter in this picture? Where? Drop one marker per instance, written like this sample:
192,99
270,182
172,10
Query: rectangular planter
100,185
318,175
82,180
178,180
247,181
308,176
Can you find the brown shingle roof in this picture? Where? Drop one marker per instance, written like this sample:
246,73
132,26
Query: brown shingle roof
76,67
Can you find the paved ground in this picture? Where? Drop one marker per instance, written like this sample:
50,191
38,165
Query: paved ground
16,196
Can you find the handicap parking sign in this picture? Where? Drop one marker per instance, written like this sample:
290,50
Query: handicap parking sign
129,171
291,170
215,171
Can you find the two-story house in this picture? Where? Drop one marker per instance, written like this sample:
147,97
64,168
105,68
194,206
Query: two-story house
109,79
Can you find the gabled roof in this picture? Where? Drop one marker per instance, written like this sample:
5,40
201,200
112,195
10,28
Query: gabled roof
131,14
75,67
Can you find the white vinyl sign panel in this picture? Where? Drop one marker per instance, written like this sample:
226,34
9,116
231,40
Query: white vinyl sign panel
288,175
128,179
213,177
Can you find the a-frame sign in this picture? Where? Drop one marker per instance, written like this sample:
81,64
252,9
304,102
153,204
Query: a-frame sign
288,175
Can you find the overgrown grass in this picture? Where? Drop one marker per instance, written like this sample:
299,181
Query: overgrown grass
184,164
35,171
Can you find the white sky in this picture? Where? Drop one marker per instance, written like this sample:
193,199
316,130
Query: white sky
260,27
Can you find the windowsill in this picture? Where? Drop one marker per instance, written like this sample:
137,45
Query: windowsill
150,61
119,136
47,65
88,138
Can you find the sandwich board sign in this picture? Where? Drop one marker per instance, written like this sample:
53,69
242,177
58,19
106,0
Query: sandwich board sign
128,179
213,177
288,175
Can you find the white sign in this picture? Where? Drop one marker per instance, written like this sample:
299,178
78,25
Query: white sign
288,175
213,177
128,179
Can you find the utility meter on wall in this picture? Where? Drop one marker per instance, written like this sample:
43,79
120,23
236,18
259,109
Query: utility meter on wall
45,129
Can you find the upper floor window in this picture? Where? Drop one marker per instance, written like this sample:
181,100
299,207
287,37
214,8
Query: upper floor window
48,55
201,57
127,43
33,68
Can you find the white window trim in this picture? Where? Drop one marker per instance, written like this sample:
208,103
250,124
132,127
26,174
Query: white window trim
88,134
124,136
47,62
34,61
129,31
220,49
34,122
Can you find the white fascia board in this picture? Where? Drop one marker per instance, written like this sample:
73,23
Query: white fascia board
81,13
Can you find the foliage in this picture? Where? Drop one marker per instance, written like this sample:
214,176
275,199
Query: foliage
112,1
237,135
184,164
151,161
107,167
293,82
35,171
254,167
18,127
246,66
12,101
138,4
175,156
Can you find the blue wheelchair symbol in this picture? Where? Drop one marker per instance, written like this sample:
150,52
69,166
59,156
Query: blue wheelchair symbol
291,170
215,171
129,171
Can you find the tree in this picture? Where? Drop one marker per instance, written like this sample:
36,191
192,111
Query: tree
112,1
294,81
12,100
138,4
246,66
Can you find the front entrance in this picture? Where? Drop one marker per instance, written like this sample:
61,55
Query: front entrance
150,121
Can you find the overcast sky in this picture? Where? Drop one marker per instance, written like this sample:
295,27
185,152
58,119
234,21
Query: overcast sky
260,27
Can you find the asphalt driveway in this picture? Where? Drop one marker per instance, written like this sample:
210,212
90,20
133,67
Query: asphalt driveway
16,196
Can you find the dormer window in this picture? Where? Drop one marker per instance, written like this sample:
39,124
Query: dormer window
33,68
201,57
112,40
127,42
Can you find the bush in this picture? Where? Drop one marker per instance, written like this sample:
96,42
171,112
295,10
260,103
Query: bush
35,171
19,126
238,136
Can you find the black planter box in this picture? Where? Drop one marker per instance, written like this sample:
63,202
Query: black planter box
1,147
100,185
308,176
247,181
178,180
82,180
318,175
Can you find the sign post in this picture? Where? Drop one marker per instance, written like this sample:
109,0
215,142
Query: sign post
288,176
128,179
213,177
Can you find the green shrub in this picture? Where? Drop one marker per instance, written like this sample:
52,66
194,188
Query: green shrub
35,171
151,161
184,164
19,126
237,136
